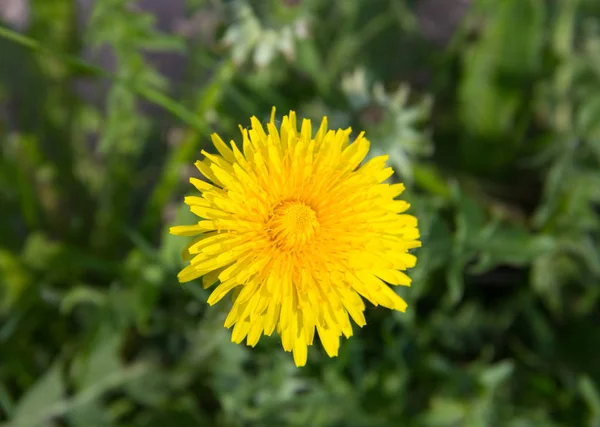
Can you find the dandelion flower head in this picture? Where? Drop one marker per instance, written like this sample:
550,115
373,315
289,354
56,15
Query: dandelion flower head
299,230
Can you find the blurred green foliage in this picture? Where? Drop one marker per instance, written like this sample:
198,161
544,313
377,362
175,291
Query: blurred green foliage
496,133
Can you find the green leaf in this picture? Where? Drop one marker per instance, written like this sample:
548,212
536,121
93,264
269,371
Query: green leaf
164,43
90,415
455,278
517,32
588,122
497,69
429,178
152,389
470,217
310,61
104,359
496,375
46,392
511,245
82,295
591,395
564,31
546,279
15,279
170,251
7,405
150,93
40,252
445,413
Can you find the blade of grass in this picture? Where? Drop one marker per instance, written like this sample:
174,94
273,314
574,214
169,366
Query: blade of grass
149,93
185,152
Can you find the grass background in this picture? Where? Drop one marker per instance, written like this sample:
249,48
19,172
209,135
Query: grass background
493,124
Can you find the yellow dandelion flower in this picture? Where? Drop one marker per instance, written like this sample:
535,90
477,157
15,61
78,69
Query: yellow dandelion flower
298,231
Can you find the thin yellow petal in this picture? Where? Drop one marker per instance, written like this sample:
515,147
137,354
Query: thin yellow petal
298,231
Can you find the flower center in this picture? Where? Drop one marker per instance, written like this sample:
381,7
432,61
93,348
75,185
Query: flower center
293,224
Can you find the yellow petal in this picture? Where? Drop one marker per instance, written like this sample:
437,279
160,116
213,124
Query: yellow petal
297,230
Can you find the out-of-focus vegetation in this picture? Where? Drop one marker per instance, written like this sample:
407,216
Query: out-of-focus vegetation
495,130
